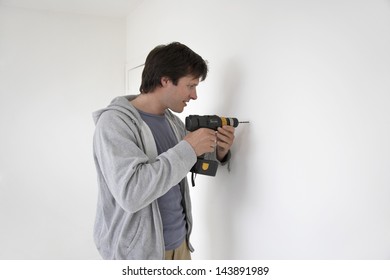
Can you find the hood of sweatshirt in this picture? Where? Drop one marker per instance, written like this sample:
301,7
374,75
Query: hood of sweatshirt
121,104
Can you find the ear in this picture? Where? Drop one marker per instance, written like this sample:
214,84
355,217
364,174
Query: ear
165,81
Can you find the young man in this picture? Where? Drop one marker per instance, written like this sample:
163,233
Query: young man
142,155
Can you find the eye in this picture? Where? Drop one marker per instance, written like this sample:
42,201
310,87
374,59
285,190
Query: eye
192,86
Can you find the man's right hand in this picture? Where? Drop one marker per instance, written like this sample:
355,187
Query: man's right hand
202,140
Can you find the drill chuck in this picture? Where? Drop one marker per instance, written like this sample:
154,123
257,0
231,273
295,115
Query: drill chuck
193,122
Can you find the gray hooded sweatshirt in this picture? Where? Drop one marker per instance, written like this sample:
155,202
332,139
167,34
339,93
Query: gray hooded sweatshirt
131,176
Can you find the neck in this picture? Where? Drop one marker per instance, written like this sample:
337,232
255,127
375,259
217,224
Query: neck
148,103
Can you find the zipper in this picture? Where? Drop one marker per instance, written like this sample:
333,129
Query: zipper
161,230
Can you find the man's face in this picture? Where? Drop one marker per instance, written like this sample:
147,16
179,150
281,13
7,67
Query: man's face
179,95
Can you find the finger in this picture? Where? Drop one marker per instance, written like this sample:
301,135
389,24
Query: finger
213,143
224,145
222,140
226,132
227,128
228,138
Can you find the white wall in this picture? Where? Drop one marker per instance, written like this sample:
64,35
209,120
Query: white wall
55,69
310,176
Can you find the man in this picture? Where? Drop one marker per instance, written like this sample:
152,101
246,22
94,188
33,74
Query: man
142,155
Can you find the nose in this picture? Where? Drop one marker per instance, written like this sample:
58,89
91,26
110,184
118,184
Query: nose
193,95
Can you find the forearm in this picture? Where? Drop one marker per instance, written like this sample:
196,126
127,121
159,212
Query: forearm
133,179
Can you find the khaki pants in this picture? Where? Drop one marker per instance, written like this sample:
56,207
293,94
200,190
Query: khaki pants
181,253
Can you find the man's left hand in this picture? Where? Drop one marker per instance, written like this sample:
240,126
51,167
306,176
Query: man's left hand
225,139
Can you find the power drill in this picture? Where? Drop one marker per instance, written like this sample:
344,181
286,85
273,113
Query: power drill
193,122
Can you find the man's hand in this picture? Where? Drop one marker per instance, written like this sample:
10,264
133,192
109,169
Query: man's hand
225,139
202,140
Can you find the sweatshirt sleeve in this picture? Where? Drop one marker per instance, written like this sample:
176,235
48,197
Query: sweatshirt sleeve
125,169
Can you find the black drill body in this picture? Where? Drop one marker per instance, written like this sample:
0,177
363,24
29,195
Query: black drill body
194,122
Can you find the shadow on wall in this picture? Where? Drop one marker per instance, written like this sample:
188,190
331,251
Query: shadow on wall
229,191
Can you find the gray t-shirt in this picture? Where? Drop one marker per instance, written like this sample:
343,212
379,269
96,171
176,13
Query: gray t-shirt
170,204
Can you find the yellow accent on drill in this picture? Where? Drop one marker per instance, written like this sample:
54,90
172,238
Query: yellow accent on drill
205,166
224,121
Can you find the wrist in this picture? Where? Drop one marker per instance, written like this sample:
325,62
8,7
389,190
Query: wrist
222,156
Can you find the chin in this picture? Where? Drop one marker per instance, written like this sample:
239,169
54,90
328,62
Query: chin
178,109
